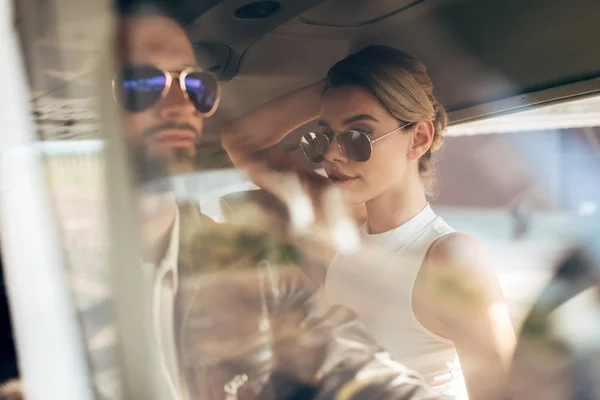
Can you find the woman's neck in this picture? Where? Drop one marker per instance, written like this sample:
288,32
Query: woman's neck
395,206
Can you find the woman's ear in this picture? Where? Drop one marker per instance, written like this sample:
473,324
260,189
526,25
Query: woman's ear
422,138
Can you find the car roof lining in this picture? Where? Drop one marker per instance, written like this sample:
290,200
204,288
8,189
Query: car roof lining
477,52
485,58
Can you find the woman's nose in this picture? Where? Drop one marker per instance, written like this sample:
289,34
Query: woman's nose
334,152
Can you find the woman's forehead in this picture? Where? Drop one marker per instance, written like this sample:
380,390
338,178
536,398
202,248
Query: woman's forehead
341,104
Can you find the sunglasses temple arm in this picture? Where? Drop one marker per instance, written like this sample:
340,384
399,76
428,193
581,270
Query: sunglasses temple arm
389,133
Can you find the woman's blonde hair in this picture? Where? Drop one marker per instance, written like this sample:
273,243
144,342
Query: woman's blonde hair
403,87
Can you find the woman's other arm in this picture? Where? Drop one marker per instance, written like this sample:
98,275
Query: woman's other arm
251,141
458,282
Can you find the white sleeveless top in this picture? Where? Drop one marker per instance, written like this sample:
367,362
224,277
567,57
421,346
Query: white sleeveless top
378,284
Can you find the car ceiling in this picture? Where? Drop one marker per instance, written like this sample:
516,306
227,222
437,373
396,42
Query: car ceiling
478,52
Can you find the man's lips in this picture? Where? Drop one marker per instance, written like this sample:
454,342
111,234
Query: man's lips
173,138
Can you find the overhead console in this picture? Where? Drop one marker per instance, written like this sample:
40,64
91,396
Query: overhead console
237,24
355,13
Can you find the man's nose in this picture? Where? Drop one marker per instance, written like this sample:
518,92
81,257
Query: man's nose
334,153
176,104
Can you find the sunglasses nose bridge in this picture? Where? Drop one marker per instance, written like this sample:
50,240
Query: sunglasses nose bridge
335,151
176,100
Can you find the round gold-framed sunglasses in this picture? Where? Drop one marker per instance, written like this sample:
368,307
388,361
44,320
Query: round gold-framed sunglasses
355,145
138,87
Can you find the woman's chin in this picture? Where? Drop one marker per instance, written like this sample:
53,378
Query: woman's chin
353,198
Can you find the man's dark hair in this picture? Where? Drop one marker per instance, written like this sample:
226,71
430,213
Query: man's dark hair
139,8
183,11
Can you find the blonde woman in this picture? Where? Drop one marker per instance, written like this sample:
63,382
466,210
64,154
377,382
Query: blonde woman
379,128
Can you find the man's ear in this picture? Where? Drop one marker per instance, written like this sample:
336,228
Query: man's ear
422,138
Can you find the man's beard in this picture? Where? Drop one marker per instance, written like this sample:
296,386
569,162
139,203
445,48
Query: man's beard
154,172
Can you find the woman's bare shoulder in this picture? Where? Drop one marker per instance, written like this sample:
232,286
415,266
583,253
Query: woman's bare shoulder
457,251
459,263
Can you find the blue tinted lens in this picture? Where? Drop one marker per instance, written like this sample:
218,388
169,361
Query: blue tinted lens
140,87
202,90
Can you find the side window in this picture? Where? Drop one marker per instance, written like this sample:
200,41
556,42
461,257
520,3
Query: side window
522,182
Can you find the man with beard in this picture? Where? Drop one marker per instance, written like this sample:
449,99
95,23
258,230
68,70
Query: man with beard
234,317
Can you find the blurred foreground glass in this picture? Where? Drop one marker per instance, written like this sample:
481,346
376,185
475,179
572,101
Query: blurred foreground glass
241,307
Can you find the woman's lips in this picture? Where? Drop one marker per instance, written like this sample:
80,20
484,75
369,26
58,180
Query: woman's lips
341,179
